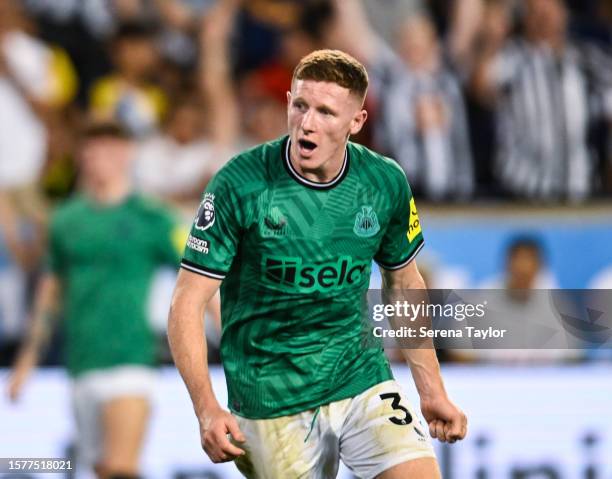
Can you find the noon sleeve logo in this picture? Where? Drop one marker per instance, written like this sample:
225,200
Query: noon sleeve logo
197,244
414,224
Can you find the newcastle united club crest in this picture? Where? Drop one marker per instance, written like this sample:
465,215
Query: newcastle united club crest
366,222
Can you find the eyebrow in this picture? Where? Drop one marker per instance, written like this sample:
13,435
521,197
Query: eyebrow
322,108
326,109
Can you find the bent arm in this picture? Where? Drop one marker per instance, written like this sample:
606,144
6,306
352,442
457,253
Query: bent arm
421,359
187,339
446,421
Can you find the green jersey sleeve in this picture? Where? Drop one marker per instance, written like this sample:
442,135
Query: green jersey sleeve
213,241
403,239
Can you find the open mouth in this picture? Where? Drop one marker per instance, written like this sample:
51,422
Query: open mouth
306,146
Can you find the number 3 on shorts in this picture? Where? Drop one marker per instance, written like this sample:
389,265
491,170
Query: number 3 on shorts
395,404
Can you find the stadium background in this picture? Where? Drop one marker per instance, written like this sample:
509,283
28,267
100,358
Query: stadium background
212,77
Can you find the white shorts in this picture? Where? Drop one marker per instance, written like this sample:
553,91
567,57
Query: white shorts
91,390
370,433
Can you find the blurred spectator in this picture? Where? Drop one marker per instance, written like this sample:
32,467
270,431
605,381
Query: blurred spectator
551,95
260,26
100,17
129,95
525,267
386,16
176,163
263,90
519,300
420,113
180,20
524,262
83,29
36,80
263,112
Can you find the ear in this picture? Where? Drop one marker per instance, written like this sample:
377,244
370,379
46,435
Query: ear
358,121
288,98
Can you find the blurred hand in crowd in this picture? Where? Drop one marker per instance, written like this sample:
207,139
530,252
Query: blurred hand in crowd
418,44
431,113
496,25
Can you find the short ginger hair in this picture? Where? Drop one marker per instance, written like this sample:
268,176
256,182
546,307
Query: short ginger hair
333,66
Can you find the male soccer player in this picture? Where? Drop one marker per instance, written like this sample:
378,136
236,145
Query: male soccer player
104,246
288,230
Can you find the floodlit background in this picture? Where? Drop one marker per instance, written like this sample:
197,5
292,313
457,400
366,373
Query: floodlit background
499,111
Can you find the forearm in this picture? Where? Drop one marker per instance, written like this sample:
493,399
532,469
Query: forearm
350,17
215,74
10,230
466,20
188,345
425,371
41,325
420,353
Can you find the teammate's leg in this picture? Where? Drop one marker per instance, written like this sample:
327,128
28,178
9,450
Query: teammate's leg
423,468
87,416
124,422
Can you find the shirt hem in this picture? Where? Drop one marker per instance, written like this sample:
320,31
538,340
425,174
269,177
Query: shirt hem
344,393
202,270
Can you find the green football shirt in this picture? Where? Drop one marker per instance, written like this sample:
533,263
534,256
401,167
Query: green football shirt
105,257
295,258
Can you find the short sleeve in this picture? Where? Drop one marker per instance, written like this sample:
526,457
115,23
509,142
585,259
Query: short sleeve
173,236
213,241
403,238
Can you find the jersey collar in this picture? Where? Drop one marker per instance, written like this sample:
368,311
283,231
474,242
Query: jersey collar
315,185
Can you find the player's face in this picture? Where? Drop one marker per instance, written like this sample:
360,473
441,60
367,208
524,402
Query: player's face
321,116
105,159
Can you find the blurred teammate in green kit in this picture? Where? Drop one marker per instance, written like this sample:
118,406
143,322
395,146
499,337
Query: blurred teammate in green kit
104,246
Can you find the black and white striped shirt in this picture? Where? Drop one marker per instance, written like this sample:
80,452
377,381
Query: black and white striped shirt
437,162
546,105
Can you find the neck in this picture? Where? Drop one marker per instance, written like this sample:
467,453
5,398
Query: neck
329,170
111,192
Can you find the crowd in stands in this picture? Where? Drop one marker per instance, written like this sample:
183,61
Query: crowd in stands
494,100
